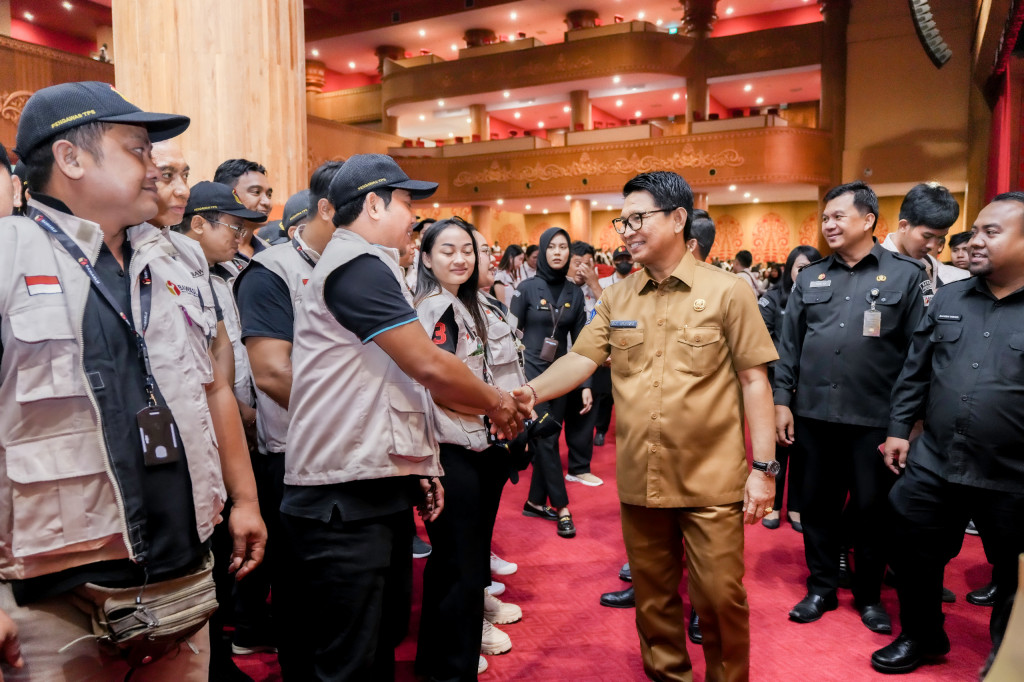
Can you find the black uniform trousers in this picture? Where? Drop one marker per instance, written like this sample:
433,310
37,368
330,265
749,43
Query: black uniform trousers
928,531
791,464
352,585
459,566
547,482
841,460
579,433
603,402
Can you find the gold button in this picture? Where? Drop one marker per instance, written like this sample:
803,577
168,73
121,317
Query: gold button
657,383
658,353
654,415
661,322
696,338
654,448
623,342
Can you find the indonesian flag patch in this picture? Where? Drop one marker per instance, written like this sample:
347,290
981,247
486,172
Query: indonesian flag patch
43,284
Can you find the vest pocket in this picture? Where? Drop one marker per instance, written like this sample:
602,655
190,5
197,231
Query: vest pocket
47,352
410,431
60,494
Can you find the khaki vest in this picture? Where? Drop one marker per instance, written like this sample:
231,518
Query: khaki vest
286,263
243,386
504,350
60,505
354,414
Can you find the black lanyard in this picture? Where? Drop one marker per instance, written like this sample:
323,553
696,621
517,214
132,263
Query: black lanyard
302,252
145,293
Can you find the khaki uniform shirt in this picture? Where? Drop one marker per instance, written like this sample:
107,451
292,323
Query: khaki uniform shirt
676,347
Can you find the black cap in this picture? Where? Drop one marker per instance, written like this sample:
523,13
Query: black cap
621,251
364,173
295,209
214,196
420,224
59,108
21,170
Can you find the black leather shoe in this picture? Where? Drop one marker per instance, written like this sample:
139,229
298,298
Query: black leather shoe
876,619
693,631
545,512
906,654
771,524
948,597
983,596
845,574
812,607
599,440
625,573
624,599
566,528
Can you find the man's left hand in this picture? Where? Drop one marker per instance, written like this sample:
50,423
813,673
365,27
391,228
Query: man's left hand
758,495
249,537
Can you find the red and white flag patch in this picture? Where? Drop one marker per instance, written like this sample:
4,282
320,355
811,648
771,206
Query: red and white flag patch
43,284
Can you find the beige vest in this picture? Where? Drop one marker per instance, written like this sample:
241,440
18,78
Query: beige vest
60,505
243,386
286,263
354,414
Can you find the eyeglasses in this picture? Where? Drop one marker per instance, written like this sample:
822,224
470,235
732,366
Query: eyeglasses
635,222
239,231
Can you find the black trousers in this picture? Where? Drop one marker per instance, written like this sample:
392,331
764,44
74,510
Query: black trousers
928,531
251,609
579,433
602,385
458,568
546,482
791,464
352,587
841,460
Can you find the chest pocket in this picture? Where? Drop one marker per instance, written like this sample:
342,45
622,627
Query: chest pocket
700,350
47,350
505,363
627,351
944,339
812,296
1014,364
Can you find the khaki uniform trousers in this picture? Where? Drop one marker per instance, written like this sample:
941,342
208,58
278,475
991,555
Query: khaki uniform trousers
46,626
713,537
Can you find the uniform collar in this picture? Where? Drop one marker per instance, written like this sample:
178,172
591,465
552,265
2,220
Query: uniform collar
683,272
877,252
85,233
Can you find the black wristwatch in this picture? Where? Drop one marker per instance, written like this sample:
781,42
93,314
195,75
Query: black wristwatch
770,468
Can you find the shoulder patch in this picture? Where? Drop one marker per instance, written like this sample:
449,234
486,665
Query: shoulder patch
517,293
764,302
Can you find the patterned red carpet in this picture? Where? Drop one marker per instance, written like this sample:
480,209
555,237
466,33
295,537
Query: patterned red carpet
565,635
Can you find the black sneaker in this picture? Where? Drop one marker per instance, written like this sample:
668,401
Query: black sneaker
420,549
245,642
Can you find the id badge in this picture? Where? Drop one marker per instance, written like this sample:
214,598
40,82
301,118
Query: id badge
548,349
160,441
872,323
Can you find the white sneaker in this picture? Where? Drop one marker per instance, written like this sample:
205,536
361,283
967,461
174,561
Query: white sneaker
500,613
495,588
501,567
586,479
493,641
481,666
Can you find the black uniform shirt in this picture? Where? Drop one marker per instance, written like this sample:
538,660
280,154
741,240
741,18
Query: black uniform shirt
965,376
773,312
827,368
533,306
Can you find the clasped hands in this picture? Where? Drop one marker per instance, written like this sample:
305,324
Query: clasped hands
508,415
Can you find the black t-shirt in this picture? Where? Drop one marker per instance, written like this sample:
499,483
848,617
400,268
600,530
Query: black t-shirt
264,304
365,298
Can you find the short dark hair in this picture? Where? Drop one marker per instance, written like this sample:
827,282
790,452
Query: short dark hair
1009,196
581,248
745,258
958,239
185,226
5,161
929,204
532,249
319,183
347,213
864,198
668,189
701,228
228,172
39,161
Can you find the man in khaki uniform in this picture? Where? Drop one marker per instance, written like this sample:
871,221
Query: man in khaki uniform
687,344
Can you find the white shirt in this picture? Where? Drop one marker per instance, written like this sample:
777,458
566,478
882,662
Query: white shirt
940,271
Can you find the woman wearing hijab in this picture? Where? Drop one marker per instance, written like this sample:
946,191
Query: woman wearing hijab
549,308
773,309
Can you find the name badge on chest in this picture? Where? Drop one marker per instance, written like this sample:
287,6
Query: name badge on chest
873,318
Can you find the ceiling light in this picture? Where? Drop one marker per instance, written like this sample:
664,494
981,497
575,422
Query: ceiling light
608,207
422,33
640,15
512,38
66,5
500,202
469,119
506,94
566,109
513,15
568,197
455,48
732,188
545,211
748,87
616,79
658,22
451,134
351,65
593,202
675,95
728,10
516,115
756,200
423,117
440,102
759,100
637,113
528,207
746,195
315,52
437,205
29,16
618,102
540,124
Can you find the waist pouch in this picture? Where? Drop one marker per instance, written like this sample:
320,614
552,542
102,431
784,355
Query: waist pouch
141,624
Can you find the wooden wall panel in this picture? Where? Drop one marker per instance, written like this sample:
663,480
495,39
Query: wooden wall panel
329,141
27,67
354,105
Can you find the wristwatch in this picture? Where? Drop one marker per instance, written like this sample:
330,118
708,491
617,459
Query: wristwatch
770,468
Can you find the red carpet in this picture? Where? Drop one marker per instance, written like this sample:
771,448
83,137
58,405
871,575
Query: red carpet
565,635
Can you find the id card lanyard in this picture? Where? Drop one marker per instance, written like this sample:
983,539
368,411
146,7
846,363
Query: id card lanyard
873,317
301,250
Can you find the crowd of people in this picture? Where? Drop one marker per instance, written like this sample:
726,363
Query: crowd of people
201,407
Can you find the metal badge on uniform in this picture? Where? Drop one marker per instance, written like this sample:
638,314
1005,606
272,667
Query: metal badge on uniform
160,441
623,324
700,304
880,278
